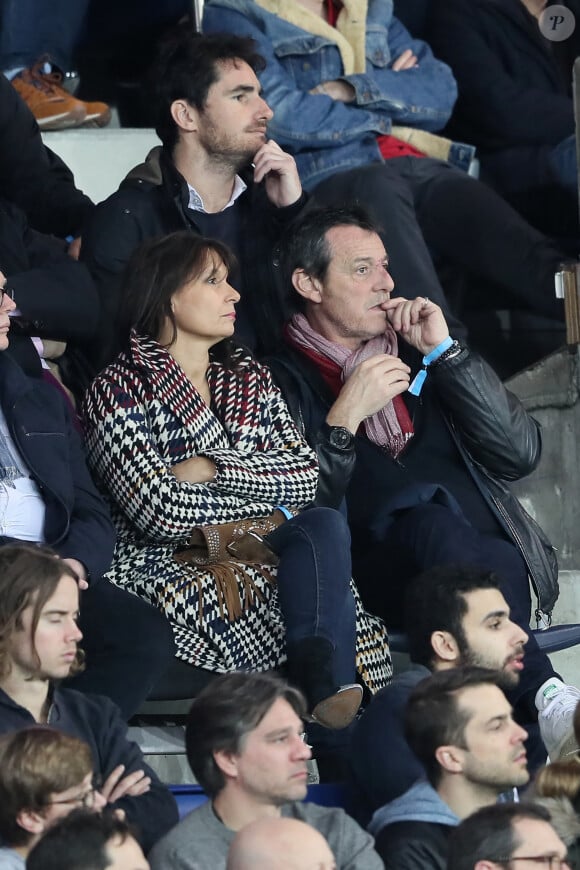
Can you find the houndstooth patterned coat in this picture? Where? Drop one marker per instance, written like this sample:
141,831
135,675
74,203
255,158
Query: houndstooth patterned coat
143,416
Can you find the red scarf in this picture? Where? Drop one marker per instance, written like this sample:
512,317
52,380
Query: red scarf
391,427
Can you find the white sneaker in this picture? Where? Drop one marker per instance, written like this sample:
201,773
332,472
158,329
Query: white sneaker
556,703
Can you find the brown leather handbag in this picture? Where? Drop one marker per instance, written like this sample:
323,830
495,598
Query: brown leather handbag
224,550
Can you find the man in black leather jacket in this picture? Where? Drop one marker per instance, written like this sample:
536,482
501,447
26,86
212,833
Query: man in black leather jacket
423,471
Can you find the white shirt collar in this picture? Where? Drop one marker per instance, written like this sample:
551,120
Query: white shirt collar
196,202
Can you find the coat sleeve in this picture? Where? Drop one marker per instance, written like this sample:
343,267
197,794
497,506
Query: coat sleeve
32,176
335,466
91,534
383,96
496,99
422,96
491,421
123,454
55,295
285,473
153,813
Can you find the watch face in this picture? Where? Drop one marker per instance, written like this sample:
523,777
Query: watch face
340,437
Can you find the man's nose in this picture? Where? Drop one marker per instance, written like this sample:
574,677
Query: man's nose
264,110
74,631
383,280
519,733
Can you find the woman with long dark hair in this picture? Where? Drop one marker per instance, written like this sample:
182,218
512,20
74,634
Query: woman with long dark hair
187,432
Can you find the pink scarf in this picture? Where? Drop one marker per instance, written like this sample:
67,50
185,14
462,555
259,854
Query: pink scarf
391,427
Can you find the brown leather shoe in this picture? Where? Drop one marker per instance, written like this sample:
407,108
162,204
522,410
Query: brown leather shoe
339,709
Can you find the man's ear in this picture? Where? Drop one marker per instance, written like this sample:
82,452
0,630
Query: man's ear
184,115
487,865
31,821
308,287
450,758
445,647
227,762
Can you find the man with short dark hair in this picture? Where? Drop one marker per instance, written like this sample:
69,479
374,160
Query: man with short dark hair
495,836
86,842
217,175
459,724
244,742
418,436
44,775
39,647
456,616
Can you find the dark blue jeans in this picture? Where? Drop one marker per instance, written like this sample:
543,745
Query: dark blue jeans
32,28
314,584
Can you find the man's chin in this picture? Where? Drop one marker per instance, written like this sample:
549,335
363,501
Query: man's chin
508,679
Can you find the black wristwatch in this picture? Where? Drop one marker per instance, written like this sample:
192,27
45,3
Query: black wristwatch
339,437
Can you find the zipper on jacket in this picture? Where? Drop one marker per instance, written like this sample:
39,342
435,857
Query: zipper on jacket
538,613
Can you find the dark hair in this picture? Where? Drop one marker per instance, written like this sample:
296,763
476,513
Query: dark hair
489,835
36,763
156,270
436,602
79,842
187,66
224,713
433,717
305,245
29,577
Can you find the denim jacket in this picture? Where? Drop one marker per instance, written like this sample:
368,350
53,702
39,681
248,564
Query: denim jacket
325,135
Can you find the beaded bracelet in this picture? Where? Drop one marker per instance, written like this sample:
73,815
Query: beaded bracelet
452,351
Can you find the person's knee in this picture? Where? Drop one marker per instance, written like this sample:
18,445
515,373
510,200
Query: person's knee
155,635
327,526
376,186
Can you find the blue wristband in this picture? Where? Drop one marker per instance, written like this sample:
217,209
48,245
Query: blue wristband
420,377
284,510
437,351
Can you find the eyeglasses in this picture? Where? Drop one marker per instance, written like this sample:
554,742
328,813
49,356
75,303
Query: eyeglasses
554,862
5,291
86,799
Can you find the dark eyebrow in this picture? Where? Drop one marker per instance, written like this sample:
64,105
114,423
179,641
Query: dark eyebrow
279,732
244,89
495,614
503,717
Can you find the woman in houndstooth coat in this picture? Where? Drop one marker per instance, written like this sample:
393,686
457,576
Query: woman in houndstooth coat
185,429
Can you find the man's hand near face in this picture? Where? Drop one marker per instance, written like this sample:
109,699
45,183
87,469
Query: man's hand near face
419,321
279,173
373,383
